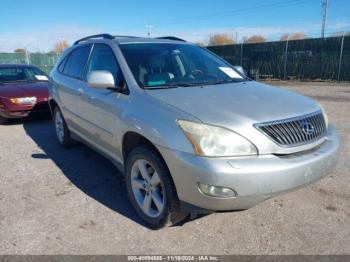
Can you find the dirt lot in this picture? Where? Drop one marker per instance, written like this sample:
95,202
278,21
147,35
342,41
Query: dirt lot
56,201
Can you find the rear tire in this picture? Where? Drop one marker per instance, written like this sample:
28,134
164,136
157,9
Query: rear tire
3,120
151,189
62,132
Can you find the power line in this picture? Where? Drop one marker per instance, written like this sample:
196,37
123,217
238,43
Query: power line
273,5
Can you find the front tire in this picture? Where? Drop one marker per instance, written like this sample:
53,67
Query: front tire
151,189
62,132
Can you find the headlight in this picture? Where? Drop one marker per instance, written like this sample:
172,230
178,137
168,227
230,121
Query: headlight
324,115
24,100
213,141
2,105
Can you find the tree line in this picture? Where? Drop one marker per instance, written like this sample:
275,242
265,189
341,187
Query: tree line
58,48
227,39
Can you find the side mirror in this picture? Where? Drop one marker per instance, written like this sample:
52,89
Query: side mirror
100,79
240,69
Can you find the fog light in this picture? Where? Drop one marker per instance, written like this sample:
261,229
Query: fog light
216,191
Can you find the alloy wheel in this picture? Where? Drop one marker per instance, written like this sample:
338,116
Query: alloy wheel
59,126
147,188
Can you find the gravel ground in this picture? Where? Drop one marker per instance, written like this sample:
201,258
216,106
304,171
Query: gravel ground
56,201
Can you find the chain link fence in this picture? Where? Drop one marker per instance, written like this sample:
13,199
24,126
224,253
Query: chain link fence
45,61
308,59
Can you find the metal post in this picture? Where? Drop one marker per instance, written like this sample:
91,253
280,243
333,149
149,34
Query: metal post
27,56
341,55
242,54
285,60
149,28
324,16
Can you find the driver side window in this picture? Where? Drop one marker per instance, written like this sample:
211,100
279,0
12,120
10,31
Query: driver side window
102,58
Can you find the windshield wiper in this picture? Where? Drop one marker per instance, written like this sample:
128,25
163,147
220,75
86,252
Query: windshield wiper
170,85
17,81
176,85
7,82
221,81
27,80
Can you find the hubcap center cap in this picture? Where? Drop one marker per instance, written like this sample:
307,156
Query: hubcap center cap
148,187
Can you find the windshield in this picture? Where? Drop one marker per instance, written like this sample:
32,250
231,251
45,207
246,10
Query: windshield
21,74
171,65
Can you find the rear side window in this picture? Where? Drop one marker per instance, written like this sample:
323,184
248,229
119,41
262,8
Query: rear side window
76,62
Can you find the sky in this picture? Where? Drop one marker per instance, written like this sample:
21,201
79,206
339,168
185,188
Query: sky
38,24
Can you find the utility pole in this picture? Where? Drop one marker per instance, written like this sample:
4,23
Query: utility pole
149,27
341,55
285,60
27,56
324,16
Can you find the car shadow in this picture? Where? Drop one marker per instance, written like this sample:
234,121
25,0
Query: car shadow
87,170
31,117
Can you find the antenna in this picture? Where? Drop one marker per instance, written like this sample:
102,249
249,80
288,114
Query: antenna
149,27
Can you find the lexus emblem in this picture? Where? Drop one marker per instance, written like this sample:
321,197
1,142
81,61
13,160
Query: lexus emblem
307,128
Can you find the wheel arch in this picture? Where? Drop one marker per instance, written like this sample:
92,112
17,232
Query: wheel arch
131,140
52,105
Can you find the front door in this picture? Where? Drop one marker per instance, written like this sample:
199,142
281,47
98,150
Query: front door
99,107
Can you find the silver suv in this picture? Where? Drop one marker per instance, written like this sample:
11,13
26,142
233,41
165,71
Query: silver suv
190,132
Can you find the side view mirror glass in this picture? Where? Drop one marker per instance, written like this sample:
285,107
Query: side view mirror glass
240,69
100,79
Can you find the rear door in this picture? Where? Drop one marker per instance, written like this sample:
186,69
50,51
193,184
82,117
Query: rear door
72,84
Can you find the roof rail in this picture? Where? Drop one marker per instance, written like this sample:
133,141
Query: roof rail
104,36
171,38
126,36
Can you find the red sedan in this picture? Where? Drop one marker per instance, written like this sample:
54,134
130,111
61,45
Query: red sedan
23,90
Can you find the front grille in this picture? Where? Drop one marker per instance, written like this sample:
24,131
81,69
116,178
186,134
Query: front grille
295,131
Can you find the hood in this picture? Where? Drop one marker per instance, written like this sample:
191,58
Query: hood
38,89
227,104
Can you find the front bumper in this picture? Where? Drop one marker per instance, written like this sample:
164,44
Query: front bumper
24,110
254,178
